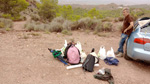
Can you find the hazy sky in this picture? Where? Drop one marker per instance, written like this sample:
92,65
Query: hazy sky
97,2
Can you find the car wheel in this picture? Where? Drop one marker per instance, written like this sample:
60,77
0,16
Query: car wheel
125,55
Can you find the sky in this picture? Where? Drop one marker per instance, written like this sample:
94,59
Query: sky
98,2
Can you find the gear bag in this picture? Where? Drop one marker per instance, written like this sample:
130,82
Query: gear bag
89,62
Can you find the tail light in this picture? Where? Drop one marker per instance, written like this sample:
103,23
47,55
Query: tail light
141,40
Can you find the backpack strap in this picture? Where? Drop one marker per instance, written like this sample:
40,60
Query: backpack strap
66,50
97,59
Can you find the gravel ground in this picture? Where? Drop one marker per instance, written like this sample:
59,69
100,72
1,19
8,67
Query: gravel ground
24,59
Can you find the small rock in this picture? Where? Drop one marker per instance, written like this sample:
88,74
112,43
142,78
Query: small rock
67,73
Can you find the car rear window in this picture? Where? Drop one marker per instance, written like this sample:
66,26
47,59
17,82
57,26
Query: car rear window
146,29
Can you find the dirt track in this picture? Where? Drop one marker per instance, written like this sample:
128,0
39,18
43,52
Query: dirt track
24,59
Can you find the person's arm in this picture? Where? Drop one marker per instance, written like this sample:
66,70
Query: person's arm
130,26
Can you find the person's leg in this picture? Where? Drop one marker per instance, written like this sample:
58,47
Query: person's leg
121,44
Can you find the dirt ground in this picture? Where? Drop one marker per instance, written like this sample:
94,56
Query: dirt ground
25,59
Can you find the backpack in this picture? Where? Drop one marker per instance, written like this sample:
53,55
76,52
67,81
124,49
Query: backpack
89,62
73,55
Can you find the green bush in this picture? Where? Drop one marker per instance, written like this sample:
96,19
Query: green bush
8,16
47,9
12,7
14,18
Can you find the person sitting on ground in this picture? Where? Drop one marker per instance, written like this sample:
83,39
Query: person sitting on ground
126,31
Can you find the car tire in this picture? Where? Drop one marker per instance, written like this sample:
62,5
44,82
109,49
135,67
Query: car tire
125,55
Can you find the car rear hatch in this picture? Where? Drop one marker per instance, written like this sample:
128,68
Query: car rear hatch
146,37
147,42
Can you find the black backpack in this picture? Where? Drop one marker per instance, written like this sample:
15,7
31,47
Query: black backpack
89,62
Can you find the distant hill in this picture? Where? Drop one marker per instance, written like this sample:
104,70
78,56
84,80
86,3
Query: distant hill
111,6
145,6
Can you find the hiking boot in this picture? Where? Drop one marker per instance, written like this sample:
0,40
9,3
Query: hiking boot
120,54
117,52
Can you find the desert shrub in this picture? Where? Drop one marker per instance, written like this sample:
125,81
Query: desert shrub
34,26
67,25
74,26
35,17
47,27
121,18
7,29
1,15
116,20
34,34
2,25
39,27
85,23
30,26
47,32
23,17
107,26
6,23
98,28
96,23
59,20
107,19
119,27
55,27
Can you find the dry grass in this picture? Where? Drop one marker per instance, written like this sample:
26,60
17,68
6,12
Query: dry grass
66,32
103,34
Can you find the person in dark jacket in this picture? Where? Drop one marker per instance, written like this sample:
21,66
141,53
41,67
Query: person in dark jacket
126,31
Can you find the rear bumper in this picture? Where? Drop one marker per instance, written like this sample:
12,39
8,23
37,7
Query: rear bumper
140,54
